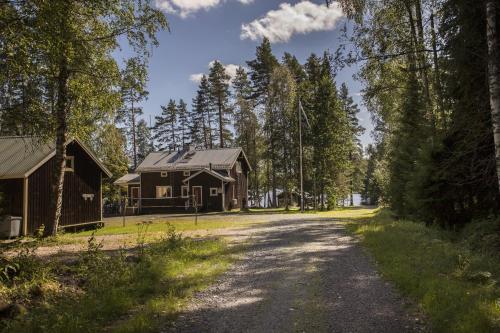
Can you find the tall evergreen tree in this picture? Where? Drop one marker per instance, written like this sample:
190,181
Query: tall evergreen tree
261,69
165,128
133,91
201,116
144,140
351,110
183,123
247,128
218,81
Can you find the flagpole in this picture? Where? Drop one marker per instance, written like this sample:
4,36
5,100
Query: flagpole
300,154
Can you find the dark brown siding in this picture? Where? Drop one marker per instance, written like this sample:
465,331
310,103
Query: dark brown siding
150,180
12,190
207,181
149,203
86,179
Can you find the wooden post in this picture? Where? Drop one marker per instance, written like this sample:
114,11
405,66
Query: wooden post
124,209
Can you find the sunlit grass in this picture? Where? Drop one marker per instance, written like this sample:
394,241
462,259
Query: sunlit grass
122,296
456,287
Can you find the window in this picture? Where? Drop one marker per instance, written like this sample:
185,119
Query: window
185,191
164,174
69,163
163,191
187,173
238,167
213,191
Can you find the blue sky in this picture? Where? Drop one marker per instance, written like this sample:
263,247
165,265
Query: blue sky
204,30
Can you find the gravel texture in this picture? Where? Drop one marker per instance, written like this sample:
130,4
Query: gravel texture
299,274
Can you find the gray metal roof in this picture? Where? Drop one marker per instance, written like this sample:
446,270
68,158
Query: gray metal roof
18,155
21,155
222,158
213,173
129,178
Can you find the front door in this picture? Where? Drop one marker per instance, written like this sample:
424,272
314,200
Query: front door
134,196
197,195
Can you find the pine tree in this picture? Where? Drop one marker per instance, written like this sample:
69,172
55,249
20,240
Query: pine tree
218,81
165,128
183,123
144,140
355,149
133,91
281,112
261,69
201,119
247,127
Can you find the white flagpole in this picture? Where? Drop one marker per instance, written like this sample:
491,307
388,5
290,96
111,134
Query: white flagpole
300,154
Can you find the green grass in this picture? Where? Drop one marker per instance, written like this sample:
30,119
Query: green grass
454,284
110,293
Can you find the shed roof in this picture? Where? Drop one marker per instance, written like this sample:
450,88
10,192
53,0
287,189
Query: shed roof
21,155
129,178
213,173
221,158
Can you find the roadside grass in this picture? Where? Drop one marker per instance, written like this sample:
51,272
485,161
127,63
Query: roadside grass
124,292
452,276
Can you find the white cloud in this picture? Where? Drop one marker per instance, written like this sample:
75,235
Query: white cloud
184,8
230,70
196,77
281,24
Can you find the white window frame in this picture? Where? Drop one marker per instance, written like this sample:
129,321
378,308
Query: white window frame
186,173
167,187
72,163
238,167
184,187
212,191
163,174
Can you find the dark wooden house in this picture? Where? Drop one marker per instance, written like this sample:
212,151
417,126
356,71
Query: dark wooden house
25,171
210,180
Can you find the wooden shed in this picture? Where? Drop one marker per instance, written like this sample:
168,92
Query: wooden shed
25,171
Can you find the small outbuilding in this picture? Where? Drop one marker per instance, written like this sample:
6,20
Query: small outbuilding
26,166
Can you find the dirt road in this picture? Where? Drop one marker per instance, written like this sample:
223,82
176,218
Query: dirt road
299,275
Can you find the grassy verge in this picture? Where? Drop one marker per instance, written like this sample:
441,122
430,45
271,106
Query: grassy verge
452,276
123,292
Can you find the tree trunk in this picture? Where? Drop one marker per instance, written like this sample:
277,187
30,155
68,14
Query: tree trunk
57,180
437,77
221,128
351,203
494,76
134,144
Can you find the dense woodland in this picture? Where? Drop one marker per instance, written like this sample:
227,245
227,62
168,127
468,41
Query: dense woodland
430,78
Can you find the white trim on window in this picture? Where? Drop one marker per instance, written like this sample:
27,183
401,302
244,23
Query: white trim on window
163,192
214,191
186,189
186,173
71,160
163,174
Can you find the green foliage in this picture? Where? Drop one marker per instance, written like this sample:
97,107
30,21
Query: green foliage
219,93
165,127
454,284
123,292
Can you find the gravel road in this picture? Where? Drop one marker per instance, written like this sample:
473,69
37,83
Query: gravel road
298,275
